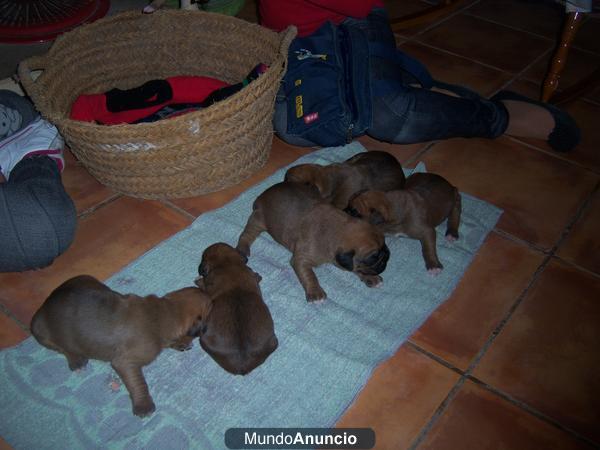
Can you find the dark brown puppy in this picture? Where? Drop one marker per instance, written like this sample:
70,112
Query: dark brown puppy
373,170
425,202
84,319
316,233
238,333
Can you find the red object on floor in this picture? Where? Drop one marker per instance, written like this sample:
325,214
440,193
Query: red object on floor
29,21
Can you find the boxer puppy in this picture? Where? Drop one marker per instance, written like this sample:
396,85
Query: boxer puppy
373,170
425,202
238,333
316,233
84,319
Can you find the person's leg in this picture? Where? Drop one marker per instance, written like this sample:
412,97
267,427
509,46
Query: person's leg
37,217
474,117
410,115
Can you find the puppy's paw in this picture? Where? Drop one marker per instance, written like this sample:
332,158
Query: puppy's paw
434,271
316,295
77,364
371,281
144,408
148,9
182,346
451,238
244,249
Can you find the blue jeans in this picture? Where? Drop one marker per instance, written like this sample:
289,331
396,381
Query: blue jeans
405,114
37,216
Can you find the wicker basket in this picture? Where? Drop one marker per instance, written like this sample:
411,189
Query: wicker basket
196,153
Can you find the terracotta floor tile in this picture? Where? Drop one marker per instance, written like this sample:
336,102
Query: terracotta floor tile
397,9
486,42
587,35
458,329
461,71
547,355
403,153
538,192
400,397
10,333
477,419
85,191
543,18
582,245
105,241
587,117
4,445
281,155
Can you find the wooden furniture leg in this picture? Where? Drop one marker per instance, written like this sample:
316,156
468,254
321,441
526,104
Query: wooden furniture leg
572,23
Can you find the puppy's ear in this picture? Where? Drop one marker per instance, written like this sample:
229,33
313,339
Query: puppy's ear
196,327
323,183
378,206
375,217
202,269
345,259
245,257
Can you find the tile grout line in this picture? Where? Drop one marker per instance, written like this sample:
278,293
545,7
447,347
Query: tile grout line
179,209
92,209
474,362
11,316
495,333
558,155
534,412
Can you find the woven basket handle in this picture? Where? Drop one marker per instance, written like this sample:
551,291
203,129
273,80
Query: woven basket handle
24,70
288,36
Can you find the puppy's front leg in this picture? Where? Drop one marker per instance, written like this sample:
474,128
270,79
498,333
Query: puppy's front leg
132,376
253,228
308,279
428,247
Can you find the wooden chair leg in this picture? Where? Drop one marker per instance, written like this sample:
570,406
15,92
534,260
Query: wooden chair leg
412,20
550,84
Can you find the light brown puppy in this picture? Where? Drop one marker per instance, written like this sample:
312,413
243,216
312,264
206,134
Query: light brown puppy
425,202
373,170
84,319
316,233
238,333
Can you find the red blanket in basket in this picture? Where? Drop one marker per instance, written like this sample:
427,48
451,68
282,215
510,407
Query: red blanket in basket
127,106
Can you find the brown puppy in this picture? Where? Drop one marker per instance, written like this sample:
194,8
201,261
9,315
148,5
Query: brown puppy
238,333
316,233
84,319
415,211
373,170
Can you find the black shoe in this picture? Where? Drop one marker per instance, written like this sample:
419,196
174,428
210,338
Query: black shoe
565,135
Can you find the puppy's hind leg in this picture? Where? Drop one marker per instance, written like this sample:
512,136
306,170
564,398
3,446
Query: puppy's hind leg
253,228
454,218
428,247
132,376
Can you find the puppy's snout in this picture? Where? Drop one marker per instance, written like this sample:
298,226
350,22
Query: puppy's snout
385,256
380,259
